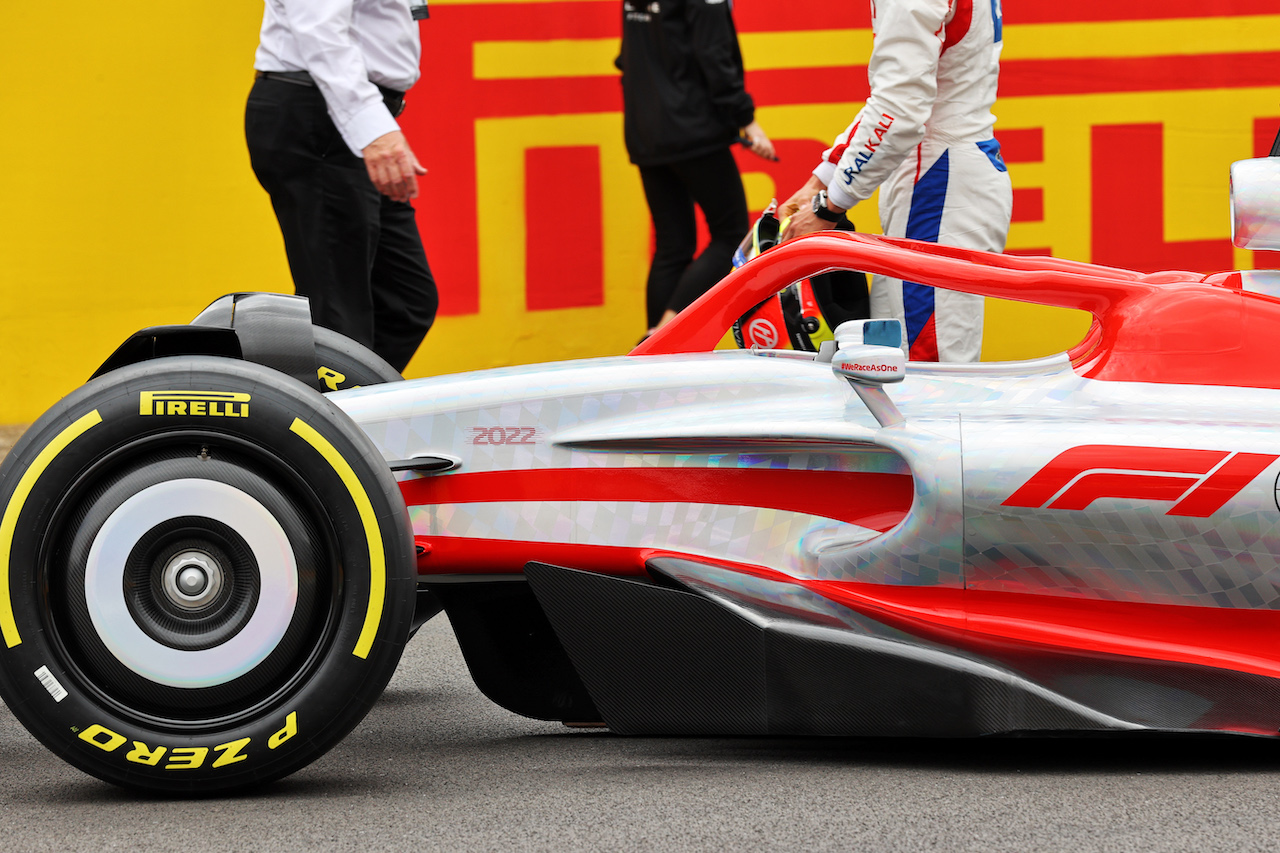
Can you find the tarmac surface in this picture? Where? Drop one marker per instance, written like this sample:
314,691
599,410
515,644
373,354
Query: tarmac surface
436,766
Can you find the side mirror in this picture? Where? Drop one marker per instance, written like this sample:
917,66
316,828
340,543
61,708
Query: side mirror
869,355
1255,203
869,352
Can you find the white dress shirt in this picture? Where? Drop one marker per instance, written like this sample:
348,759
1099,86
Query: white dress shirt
347,46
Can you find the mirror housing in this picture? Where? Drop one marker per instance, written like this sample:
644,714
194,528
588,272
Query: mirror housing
869,352
1255,203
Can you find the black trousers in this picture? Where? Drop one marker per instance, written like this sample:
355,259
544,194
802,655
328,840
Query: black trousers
353,252
712,182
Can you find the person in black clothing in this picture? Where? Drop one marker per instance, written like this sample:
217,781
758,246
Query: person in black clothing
684,105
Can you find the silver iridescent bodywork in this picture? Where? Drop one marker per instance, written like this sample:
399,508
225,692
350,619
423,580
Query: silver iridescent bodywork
769,542
972,436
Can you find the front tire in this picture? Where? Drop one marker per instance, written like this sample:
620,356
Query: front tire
343,363
206,576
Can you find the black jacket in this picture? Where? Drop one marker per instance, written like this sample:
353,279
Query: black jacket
682,86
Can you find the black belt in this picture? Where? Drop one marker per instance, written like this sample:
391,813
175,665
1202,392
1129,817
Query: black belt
393,99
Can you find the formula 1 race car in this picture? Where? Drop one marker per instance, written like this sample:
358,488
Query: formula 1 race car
208,568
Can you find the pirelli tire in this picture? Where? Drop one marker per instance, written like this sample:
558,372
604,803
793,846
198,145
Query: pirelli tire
206,576
343,363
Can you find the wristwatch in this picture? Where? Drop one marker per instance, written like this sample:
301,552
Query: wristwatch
823,212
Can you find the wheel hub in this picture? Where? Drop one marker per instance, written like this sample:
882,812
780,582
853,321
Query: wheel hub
191,580
191,583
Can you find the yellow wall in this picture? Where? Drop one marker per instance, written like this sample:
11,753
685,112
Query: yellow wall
127,199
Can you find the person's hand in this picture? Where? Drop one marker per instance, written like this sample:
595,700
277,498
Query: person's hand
760,144
798,214
801,198
803,222
392,166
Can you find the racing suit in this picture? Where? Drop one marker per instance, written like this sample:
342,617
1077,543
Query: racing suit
925,138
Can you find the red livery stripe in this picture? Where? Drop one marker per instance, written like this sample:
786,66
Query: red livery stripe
871,500
1227,637
451,555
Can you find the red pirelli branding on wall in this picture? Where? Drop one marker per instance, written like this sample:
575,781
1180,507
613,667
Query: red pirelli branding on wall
1118,119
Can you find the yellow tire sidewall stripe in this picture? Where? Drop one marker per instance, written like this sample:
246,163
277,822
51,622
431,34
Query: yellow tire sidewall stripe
377,557
9,523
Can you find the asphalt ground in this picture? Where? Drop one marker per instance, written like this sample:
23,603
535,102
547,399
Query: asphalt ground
436,766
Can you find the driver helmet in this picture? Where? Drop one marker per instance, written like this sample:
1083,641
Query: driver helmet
792,316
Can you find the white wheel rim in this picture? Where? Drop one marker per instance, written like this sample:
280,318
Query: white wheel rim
266,540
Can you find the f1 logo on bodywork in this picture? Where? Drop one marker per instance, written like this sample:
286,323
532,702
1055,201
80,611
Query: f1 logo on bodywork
1201,481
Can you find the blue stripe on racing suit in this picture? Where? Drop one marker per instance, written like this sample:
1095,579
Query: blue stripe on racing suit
923,223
